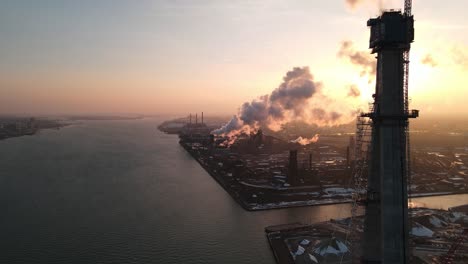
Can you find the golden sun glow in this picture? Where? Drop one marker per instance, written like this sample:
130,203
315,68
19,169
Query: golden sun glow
420,75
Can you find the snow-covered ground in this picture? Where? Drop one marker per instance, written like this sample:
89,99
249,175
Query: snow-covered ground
421,231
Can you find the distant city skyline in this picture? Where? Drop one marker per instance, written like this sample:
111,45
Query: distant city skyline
175,57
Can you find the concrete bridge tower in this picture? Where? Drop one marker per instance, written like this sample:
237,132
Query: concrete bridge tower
386,227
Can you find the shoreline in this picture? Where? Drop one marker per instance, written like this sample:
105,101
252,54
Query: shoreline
34,132
291,204
267,206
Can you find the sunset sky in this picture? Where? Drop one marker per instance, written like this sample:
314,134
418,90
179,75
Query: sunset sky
173,57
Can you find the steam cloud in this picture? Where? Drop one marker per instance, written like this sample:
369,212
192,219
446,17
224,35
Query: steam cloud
297,98
354,91
362,59
306,141
429,60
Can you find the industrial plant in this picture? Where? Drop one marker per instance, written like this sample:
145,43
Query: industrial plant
371,170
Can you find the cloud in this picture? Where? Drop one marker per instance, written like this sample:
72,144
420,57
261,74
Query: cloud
429,60
460,55
354,91
362,59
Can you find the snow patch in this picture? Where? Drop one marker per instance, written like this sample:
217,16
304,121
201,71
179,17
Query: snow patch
421,231
300,251
314,259
336,249
456,216
435,221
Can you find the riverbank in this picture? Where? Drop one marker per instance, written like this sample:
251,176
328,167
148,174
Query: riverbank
243,196
18,127
247,195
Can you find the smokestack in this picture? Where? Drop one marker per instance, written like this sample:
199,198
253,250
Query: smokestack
352,147
202,117
190,118
292,177
196,118
259,137
310,161
347,157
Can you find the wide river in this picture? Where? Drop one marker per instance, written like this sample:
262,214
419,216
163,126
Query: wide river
123,192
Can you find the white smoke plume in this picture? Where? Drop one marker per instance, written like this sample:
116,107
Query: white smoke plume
306,141
297,98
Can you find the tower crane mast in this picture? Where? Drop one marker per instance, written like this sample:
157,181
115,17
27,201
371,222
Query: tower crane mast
406,61
408,7
406,56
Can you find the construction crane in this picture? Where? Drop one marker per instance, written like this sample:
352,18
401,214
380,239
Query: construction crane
408,7
406,55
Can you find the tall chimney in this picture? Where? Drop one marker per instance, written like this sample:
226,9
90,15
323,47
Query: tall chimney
310,160
190,118
347,157
196,118
202,117
259,137
352,146
292,177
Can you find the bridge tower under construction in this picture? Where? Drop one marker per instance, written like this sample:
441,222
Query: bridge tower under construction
386,226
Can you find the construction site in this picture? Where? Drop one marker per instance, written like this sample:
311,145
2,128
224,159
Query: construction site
388,232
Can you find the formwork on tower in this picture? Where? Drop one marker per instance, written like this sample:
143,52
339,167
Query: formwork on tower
382,168
386,226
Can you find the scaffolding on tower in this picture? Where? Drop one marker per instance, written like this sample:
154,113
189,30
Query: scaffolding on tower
382,135
406,136
362,152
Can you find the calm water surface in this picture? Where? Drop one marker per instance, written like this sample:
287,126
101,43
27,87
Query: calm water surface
122,192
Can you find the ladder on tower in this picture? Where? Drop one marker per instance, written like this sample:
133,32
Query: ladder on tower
406,135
